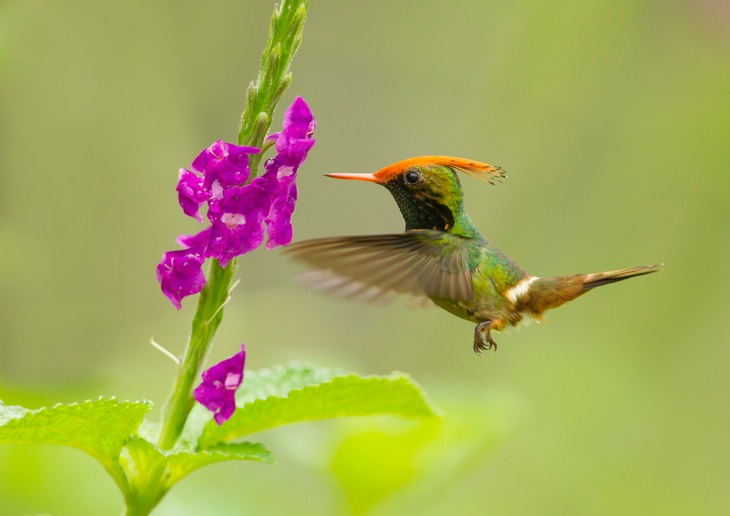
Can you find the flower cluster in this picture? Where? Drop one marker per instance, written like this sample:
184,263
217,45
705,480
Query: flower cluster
217,392
240,211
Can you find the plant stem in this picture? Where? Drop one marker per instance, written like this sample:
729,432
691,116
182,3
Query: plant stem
207,318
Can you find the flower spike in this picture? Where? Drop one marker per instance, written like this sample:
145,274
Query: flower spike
241,211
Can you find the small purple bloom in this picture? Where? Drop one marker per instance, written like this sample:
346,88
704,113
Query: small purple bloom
191,193
217,393
238,225
225,163
180,274
241,212
292,146
278,223
294,142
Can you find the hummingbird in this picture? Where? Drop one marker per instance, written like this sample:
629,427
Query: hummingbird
441,258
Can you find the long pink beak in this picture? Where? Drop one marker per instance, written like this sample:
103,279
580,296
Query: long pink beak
358,177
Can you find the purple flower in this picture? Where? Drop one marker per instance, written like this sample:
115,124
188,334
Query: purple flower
224,162
191,194
238,225
217,393
180,274
241,212
294,142
278,224
292,146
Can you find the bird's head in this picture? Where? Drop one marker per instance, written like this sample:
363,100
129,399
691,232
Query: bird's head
427,188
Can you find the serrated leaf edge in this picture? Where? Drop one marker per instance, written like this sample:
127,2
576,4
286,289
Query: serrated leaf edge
393,377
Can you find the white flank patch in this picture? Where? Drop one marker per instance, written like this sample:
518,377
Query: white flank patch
519,290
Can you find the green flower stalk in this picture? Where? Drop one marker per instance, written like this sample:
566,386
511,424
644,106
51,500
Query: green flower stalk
206,321
262,96
285,36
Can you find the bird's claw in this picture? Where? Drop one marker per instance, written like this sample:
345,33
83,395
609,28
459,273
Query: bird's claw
483,340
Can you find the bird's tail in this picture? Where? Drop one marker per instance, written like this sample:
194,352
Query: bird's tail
604,278
547,293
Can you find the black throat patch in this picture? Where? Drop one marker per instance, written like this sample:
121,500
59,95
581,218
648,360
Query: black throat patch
422,212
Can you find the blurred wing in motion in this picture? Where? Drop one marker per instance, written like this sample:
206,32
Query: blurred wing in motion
376,268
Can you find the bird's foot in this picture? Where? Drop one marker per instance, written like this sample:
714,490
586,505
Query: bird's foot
483,338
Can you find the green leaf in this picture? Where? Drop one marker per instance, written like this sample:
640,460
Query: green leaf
99,427
277,381
280,381
184,463
145,467
152,471
11,412
296,400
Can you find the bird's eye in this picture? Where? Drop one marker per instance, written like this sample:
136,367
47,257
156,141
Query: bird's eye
412,177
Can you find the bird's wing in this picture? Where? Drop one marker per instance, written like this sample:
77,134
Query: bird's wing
377,267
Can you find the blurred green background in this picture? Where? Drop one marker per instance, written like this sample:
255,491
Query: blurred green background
612,118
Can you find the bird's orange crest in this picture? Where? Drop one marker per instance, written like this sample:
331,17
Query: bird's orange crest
477,169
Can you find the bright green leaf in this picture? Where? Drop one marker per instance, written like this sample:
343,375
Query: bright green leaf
99,427
152,472
344,395
146,458
11,412
184,463
258,385
146,469
280,381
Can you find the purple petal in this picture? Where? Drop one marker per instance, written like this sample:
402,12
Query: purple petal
238,223
278,222
199,240
191,193
298,120
224,163
217,392
180,274
292,145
